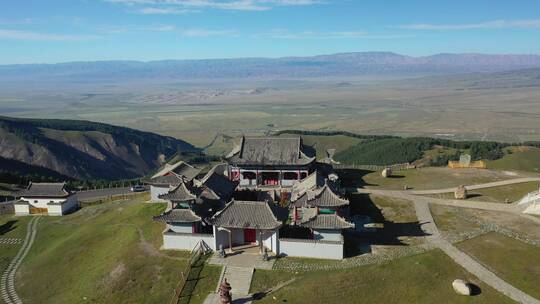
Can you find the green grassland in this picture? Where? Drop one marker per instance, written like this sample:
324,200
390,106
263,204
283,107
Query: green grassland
106,253
458,222
207,282
502,194
518,158
432,178
423,278
512,260
443,151
11,227
453,221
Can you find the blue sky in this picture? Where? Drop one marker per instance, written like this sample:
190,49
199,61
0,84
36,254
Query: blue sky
39,31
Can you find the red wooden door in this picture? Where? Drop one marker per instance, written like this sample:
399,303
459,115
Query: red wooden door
250,236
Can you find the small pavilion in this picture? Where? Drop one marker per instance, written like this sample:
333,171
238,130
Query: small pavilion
248,222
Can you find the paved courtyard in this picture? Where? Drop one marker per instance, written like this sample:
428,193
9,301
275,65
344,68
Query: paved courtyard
244,256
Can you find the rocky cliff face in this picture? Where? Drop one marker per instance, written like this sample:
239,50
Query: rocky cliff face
86,151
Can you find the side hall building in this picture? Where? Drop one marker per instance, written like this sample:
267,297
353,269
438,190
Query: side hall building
46,198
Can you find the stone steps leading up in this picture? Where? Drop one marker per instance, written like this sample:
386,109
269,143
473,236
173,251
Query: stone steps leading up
239,278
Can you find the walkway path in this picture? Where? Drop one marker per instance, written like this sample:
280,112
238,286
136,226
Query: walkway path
472,204
238,269
479,186
7,283
450,202
240,280
428,225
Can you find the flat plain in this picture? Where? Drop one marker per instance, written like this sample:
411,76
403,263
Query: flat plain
201,112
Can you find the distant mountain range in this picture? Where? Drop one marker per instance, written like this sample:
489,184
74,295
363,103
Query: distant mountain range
82,149
345,64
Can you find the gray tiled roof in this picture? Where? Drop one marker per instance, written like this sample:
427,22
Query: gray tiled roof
186,171
180,193
218,186
311,182
169,180
45,190
178,216
270,151
178,166
327,221
323,197
248,214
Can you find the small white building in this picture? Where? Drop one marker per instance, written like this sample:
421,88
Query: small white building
46,198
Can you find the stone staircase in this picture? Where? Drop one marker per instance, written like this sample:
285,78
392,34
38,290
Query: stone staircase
239,278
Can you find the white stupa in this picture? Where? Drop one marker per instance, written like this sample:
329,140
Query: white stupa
532,202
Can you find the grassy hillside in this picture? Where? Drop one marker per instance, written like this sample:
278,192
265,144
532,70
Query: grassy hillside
432,178
389,151
352,148
518,158
102,254
16,172
83,149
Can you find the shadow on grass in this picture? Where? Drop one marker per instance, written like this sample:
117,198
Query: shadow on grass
389,232
475,290
473,195
353,178
7,227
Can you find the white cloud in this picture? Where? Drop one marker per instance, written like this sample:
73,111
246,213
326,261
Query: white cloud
291,2
123,29
495,24
163,11
198,32
35,36
240,5
164,28
286,34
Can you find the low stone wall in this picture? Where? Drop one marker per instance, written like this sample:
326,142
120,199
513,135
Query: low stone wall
7,208
186,241
312,248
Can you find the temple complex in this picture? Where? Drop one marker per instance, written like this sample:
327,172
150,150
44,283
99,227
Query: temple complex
268,185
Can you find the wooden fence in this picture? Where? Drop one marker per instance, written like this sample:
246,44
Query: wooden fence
112,198
196,262
395,167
